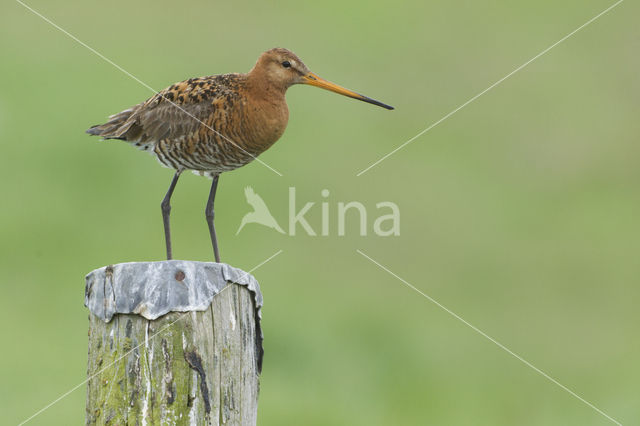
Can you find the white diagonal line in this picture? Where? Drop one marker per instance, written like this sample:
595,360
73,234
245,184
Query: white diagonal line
488,88
61,397
144,84
482,333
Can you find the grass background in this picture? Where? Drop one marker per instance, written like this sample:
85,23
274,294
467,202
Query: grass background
519,213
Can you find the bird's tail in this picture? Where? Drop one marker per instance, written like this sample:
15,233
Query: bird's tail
119,126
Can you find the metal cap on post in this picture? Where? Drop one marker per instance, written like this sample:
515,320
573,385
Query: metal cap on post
173,342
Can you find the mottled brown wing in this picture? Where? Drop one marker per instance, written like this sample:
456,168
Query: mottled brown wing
178,111
167,120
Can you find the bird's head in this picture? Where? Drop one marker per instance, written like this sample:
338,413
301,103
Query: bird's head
282,68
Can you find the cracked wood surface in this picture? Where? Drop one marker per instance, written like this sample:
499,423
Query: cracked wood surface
184,368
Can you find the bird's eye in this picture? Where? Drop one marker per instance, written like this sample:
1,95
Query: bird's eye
286,64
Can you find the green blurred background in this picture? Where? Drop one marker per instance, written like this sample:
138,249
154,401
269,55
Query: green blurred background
519,213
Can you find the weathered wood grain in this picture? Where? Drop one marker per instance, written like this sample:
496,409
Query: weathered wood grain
195,367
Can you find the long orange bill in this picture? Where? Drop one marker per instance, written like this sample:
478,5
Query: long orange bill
314,80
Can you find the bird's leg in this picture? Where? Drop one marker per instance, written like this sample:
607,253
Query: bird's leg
166,210
209,213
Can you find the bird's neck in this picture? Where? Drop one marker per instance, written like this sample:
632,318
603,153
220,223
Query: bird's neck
265,89
267,110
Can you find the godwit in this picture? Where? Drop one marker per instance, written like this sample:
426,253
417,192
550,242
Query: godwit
216,124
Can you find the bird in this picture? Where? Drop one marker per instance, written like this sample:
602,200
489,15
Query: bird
214,124
260,213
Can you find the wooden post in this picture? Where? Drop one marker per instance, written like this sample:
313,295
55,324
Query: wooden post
173,343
